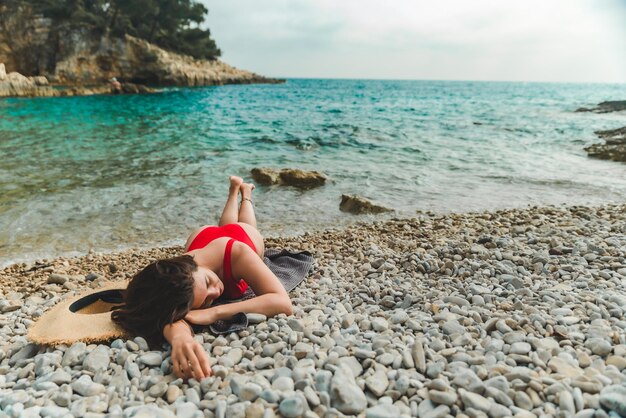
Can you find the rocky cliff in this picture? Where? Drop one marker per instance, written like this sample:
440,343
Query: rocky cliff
85,57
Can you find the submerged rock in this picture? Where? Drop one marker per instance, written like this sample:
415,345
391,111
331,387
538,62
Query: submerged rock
359,205
288,177
605,107
301,178
265,176
614,147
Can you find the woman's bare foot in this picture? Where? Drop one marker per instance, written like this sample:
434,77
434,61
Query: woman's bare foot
246,190
235,183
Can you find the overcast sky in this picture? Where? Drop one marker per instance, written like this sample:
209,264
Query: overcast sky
529,40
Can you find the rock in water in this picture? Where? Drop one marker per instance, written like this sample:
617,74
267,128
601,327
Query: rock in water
359,205
288,177
302,179
265,176
605,107
614,147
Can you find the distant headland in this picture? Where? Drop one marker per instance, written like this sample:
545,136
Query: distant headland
101,48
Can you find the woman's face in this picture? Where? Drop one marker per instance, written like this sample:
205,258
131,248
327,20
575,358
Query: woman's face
206,288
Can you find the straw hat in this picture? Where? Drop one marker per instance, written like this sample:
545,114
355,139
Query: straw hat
86,317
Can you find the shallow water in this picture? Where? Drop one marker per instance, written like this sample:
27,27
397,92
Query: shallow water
109,172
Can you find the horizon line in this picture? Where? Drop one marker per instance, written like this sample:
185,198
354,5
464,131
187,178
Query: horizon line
446,80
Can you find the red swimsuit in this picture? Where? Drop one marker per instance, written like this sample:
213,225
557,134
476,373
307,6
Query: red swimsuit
232,289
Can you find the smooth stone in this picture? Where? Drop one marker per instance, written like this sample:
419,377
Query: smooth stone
351,363
558,365
24,353
254,410
295,324
74,354
382,411
419,357
132,369
84,386
255,318
141,343
442,397
377,383
614,398
380,324
145,411
456,300
520,348
599,346
186,410
192,396
269,350
345,394
283,384
522,400
250,391
312,398
566,402
158,389
233,357
453,327
474,400
399,317
264,363
97,360
617,361
151,359
440,411
499,411
173,393
53,411
585,413
58,377
291,407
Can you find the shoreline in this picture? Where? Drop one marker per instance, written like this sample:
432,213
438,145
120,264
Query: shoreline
516,312
168,246
359,221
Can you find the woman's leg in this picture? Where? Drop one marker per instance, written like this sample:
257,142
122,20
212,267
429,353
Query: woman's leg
229,214
246,210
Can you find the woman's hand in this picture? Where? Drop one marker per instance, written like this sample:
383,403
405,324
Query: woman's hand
202,316
189,358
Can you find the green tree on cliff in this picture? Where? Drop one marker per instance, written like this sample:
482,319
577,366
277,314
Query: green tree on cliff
171,24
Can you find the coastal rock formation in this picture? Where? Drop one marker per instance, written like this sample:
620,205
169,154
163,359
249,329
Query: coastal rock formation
606,107
359,205
80,57
614,147
15,84
288,177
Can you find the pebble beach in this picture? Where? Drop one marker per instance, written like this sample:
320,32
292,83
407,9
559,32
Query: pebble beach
516,312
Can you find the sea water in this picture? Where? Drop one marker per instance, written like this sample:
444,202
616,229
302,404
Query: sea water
111,172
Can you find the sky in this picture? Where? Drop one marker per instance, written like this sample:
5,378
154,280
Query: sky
499,40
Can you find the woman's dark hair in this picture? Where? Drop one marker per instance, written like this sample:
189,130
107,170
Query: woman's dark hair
160,294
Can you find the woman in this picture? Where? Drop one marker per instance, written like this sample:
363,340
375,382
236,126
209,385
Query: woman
161,298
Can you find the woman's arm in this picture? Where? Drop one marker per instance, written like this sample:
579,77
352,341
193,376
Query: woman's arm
272,298
188,356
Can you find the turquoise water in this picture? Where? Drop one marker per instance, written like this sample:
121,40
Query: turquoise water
108,172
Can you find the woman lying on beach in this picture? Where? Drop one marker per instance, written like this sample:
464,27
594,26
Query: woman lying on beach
163,298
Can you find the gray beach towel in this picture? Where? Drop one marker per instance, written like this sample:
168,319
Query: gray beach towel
290,268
